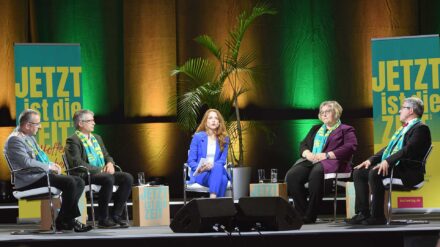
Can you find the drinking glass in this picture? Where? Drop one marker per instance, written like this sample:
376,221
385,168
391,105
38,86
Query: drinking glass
261,175
141,178
273,175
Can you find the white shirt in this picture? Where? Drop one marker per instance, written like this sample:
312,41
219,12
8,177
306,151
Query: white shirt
210,152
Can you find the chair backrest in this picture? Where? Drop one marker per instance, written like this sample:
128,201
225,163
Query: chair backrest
10,168
348,168
66,164
187,171
426,157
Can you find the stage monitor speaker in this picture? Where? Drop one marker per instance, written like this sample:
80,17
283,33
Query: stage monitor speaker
267,214
204,215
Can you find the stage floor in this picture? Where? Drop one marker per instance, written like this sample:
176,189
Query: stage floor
319,229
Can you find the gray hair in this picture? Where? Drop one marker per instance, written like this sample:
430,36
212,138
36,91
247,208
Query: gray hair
79,116
334,106
416,104
26,116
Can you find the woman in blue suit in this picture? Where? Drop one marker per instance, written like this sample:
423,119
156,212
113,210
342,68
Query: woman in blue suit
211,143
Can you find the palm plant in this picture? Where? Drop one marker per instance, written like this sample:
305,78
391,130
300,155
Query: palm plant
205,79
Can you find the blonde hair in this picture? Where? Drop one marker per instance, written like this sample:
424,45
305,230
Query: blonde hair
221,132
334,106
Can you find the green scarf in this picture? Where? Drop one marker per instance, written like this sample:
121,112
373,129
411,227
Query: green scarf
94,152
39,153
396,141
321,137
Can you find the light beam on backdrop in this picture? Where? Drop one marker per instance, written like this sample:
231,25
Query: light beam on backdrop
149,56
97,26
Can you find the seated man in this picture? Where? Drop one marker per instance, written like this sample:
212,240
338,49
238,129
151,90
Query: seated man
86,149
405,150
23,151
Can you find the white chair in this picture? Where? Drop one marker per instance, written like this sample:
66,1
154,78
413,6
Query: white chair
197,188
336,182
93,188
41,193
396,184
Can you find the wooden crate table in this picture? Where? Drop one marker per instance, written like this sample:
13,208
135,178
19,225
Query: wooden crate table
150,205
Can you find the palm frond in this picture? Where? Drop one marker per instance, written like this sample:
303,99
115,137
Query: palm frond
209,44
225,73
224,107
246,60
188,109
242,90
191,102
203,81
199,70
244,20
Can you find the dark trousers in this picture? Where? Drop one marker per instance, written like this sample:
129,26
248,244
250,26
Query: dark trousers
296,178
123,180
364,180
72,188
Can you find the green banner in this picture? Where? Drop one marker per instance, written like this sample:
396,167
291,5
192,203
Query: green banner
48,80
403,67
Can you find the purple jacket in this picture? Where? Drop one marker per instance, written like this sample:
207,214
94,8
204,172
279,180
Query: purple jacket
342,142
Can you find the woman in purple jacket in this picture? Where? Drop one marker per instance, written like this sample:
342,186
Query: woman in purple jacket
327,148
211,143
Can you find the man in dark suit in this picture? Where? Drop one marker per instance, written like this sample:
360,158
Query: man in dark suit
86,149
23,151
405,150
327,148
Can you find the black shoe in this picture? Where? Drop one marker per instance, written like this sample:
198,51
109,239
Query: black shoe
62,226
357,219
80,227
107,223
374,221
122,223
307,220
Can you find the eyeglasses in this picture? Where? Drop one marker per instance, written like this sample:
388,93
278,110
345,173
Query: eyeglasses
36,124
407,107
88,121
325,112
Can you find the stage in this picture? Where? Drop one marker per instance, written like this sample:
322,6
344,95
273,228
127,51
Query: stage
321,233
331,234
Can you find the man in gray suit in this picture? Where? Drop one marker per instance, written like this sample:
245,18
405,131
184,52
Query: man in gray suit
23,151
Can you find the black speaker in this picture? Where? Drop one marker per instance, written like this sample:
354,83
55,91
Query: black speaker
203,215
267,214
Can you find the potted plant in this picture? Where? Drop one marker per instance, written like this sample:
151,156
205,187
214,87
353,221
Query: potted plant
205,81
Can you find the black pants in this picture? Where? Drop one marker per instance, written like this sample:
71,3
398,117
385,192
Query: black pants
364,180
123,180
72,188
296,178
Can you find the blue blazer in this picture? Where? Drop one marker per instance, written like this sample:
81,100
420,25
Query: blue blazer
198,149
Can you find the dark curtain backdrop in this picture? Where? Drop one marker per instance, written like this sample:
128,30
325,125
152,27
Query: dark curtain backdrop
309,52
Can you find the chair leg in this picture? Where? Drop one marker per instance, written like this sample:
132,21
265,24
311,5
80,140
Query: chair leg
92,209
335,203
390,207
184,184
231,175
126,214
54,230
